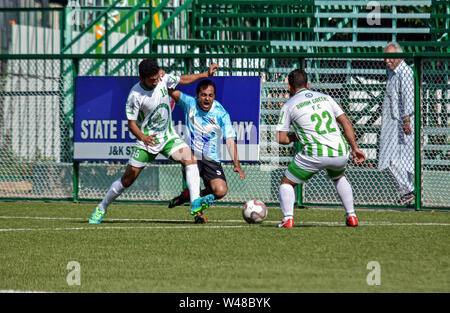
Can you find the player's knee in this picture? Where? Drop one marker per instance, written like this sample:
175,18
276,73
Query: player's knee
129,178
188,159
188,162
336,179
220,191
127,181
287,181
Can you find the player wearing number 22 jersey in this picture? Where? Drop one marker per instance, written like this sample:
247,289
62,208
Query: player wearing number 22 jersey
315,119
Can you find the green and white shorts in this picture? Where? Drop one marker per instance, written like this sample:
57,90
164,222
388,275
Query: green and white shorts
140,157
303,167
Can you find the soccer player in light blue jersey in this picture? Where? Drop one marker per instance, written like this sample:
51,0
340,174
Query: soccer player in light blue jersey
207,122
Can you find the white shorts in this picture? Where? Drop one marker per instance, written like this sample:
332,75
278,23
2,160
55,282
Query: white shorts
303,167
140,157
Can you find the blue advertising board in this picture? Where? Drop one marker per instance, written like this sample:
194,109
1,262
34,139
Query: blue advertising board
101,128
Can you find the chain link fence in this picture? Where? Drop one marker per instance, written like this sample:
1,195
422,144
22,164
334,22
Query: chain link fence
435,139
36,130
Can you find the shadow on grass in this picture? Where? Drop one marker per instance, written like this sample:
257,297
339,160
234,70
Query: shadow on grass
136,221
123,221
306,226
295,226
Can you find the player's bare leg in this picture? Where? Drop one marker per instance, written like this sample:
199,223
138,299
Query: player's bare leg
116,189
219,188
187,159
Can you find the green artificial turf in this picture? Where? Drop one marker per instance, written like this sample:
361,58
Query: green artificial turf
147,248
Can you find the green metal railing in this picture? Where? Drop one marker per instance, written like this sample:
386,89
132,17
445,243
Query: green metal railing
89,28
325,26
229,25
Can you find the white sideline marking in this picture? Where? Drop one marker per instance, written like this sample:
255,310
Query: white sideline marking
20,291
92,227
380,223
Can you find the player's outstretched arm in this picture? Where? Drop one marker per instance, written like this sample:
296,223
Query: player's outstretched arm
349,133
191,78
232,150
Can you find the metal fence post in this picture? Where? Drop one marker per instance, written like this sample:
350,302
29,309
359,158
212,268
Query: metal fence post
76,164
106,44
150,32
193,17
417,133
298,148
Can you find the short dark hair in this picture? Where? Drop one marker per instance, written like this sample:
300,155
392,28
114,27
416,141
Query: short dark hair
297,78
204,84
148,67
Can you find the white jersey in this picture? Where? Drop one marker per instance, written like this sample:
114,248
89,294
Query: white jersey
151,111
313,117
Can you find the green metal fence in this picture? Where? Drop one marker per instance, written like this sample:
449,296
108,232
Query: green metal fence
36,124
339,43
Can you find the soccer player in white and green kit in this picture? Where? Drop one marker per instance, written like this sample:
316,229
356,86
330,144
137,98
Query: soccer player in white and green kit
315,117
150,120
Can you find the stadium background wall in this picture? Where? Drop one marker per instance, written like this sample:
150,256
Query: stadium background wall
43,52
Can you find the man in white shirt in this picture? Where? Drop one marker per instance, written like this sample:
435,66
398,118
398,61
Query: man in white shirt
397,125
315,118
150,120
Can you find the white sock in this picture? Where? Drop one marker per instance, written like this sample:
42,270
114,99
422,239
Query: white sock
114,191
344,190
287,200
193,181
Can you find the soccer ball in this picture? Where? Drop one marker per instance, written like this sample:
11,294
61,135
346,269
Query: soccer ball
254,211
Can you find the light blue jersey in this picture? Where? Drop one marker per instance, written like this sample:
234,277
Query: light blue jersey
205,130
